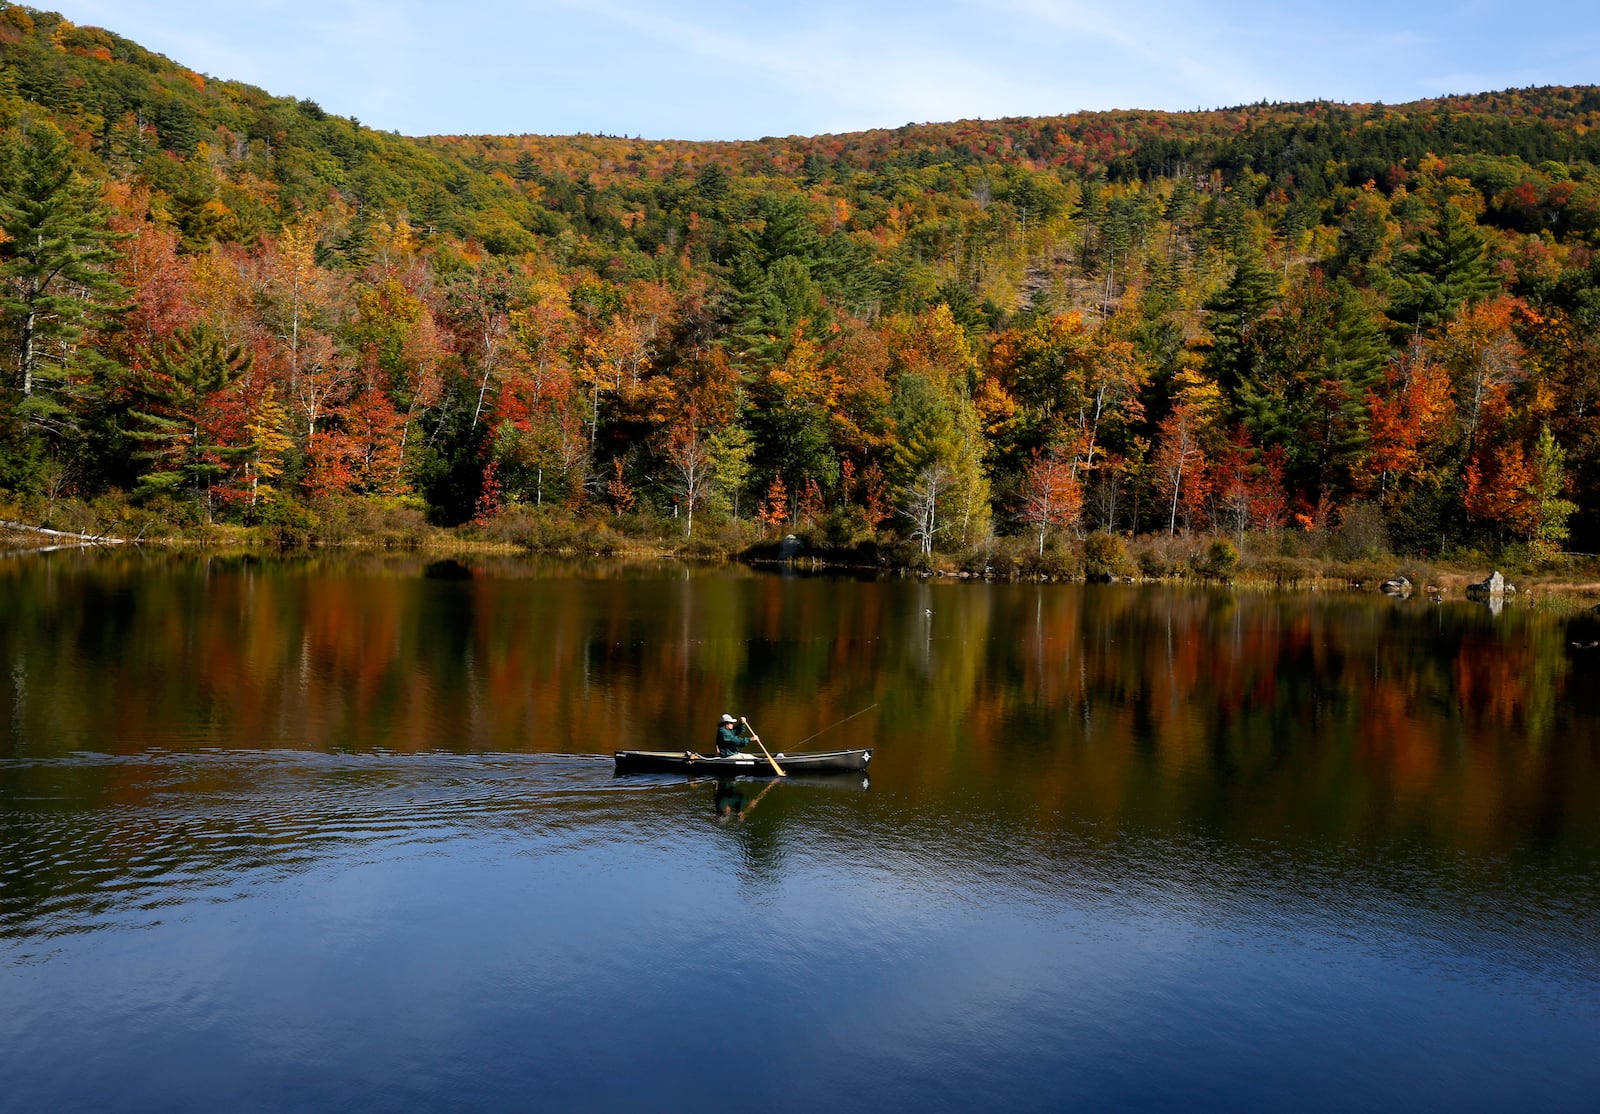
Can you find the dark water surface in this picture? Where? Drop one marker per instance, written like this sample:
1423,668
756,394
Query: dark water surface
344,834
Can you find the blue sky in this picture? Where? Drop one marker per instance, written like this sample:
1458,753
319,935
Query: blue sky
704,69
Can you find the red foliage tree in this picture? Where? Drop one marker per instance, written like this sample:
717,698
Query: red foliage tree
1051,495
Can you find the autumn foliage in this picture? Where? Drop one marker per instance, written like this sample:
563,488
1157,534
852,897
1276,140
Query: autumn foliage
1233,321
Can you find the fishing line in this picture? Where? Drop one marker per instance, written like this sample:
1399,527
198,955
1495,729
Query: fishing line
831,726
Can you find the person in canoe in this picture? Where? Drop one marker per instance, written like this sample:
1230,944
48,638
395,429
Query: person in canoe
732,736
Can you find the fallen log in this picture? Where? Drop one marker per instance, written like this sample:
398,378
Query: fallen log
81,539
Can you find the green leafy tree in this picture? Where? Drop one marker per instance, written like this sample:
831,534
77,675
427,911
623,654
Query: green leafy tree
937,463
1549,479
791,419
731,447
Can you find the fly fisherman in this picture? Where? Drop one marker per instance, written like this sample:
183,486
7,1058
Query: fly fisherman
732,736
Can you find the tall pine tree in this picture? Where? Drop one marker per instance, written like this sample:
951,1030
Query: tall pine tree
1230,313
1446,268
174,430
54,284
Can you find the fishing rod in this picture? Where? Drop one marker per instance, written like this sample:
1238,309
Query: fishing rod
831,726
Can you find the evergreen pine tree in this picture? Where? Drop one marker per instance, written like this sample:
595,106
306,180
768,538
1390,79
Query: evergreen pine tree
1446,269
1353,357
53,281
1251,292
190,369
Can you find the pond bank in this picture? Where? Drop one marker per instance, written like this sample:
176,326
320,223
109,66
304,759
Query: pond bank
1269,562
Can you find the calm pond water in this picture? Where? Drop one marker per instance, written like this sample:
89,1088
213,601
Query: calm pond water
344,834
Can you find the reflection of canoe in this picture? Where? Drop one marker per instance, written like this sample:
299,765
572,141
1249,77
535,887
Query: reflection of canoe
743,765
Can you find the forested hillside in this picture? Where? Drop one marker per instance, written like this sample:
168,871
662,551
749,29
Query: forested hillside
225,306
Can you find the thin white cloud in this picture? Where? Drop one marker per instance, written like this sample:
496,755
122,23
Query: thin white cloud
1073,19
1139,55
856,76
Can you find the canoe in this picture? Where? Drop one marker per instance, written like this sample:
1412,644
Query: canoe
742,765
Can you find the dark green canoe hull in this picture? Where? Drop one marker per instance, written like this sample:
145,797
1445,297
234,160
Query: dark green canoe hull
741,765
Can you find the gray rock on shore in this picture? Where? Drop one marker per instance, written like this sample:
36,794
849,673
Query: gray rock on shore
1492,587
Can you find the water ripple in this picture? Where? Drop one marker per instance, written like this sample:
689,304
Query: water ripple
95,841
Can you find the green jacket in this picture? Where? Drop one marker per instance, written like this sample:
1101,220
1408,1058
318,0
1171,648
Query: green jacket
731,740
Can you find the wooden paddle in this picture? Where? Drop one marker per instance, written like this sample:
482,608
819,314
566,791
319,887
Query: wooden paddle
747,809
763,746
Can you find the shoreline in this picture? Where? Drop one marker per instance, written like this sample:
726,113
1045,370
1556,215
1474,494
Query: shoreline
1441,583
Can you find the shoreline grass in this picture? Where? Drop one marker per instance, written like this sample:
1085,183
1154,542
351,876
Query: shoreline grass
1275,560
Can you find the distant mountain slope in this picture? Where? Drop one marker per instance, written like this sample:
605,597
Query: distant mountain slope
1558,123
1376,319
264,156
125,102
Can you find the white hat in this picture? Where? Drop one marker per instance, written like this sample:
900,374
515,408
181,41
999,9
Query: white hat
726,718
